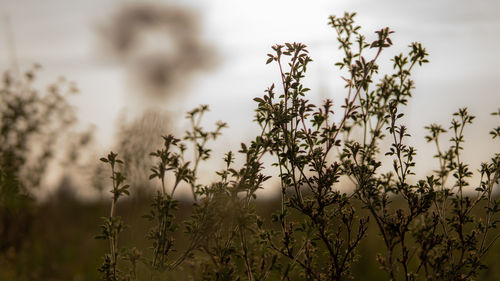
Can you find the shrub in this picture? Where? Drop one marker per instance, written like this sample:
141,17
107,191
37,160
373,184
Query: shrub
32,124
427,226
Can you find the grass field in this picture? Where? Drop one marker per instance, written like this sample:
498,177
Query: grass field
58,242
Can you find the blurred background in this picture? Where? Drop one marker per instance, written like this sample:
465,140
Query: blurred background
130,58
135,59
138,66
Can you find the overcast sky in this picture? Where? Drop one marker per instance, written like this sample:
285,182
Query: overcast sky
461,36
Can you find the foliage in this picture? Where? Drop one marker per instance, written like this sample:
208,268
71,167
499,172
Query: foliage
32,123
113,225
316,233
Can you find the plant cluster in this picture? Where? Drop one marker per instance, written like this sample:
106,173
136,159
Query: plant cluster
317,231
32,123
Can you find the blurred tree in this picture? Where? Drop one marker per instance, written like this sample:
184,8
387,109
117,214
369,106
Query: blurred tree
32,126
135,140
161,46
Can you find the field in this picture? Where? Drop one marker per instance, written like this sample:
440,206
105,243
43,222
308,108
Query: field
59,244
351,203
